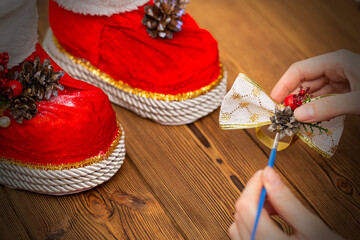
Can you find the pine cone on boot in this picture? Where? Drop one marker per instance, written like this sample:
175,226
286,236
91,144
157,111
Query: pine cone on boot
23,108
164,17
285,121
41,79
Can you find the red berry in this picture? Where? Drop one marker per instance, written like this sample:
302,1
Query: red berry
6,71
302,92
3,82
290,101
16,87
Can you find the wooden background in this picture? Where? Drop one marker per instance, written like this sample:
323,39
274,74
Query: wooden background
181,182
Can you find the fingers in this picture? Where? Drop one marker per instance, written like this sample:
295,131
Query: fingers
234,232
307,70
314,85
290,208
241,228
327,89
282,200
246,209
240,220
253,188
246,206
329,107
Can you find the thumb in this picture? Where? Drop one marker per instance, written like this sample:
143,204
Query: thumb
290,208
329,107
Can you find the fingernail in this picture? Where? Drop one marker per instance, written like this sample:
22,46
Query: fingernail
271,177
304,113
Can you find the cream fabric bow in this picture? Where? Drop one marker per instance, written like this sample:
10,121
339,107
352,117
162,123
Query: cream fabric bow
246,105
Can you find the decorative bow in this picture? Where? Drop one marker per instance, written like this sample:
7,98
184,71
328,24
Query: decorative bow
246,105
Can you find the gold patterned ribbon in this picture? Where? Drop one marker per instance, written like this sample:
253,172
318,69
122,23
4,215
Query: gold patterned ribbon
247,105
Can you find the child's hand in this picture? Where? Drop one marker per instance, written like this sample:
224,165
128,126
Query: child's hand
282,201
336,72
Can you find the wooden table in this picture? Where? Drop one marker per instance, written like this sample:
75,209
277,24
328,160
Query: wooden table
181,182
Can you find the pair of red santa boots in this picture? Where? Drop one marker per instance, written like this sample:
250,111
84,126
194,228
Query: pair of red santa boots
149,57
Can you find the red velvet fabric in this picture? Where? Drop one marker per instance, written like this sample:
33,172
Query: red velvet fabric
78,124
120,46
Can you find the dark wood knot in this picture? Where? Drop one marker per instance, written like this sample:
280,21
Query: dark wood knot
345,186
129,201
98,206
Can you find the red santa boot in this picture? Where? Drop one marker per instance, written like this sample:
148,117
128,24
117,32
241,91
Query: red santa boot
148,56
58,135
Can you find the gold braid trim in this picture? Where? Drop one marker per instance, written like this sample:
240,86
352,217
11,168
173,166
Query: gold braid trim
127,88
86,162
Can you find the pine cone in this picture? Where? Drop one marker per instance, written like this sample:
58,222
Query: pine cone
164,17
182,3
285,121
23,108
41,79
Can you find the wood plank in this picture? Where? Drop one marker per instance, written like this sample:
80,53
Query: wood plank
340,204
248,43
338,23
122,208
190,173
9,218
189,184
340,169
187,178
315,27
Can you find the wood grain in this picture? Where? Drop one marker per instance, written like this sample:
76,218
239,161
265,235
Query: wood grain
122,208
181,182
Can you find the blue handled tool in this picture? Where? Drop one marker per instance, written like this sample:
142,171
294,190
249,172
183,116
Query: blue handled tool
263,191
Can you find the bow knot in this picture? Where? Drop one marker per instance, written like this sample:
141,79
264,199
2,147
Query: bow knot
247,105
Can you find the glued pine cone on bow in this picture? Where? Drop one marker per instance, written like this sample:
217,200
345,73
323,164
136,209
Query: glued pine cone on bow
164,17
285,122
39,79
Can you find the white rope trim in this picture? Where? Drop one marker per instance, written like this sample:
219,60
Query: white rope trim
101,7
163,112
61,182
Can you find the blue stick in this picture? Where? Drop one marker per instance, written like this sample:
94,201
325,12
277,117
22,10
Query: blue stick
263,191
